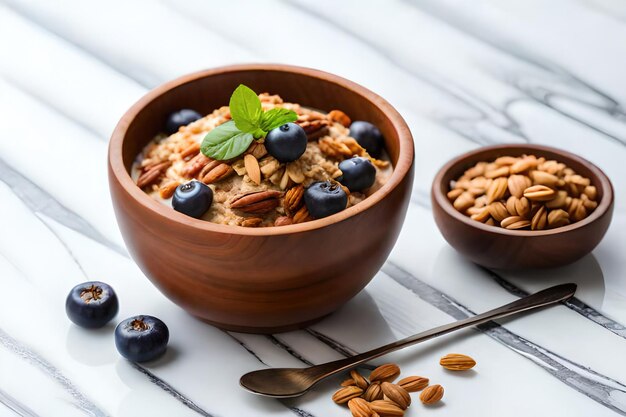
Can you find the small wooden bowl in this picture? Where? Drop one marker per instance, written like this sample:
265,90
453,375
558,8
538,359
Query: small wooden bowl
259,279
495,247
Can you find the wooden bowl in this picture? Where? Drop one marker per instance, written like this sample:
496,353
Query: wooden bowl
495,247
259,279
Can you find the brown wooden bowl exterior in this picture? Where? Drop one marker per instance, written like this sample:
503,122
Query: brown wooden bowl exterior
495,247
259,279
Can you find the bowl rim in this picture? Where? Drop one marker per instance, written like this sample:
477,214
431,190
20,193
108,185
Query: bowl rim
441,198
400,170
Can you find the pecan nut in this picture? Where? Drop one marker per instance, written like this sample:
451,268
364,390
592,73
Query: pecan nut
293,199
194,165
302,215
256,203
151,174
217,172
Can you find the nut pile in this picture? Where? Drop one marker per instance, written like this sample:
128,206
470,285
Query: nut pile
378,396
521,193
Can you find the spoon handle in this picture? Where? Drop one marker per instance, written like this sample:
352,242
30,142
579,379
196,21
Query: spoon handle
542,298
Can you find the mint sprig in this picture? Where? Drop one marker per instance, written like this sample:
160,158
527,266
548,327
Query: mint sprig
249,122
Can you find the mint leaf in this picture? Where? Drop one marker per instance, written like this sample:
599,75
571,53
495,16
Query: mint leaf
276,117
225,141
245,109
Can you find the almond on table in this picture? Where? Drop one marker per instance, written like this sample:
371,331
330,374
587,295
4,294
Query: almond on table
457,362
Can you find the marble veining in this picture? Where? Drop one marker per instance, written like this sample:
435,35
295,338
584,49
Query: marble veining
596,386
462,74
573,303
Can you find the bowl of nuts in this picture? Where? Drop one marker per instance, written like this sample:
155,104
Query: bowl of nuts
522,206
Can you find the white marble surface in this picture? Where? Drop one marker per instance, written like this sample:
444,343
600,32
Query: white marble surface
462,73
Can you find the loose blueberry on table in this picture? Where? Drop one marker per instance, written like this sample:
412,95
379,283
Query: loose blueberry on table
141,338
325,198
180,118
91,304
193,199
358,173
368,136
286,143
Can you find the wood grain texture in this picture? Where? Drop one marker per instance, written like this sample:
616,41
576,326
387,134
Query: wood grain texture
259,279
495,247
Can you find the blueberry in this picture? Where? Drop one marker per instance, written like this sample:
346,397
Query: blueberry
91,304
141,338
368,137
180,118
324,198
286,143
358,173
193,198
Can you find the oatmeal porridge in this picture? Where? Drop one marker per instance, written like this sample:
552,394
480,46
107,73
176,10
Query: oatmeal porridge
315,166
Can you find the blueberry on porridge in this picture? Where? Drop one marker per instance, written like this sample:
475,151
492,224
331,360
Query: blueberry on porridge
261,161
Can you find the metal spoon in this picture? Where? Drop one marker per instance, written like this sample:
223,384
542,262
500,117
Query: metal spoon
293,382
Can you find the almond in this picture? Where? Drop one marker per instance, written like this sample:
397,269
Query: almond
359,381
505,161
514,223
482,215
387,372
374,392
359,407
454,194
591,192
497,190
557,218
252,168
396,394
457,362
348,383
413,383
539,193
475,171
295,172
498,172
523,165
498,211
544,178
343,395
386,408
558,201
431,394
464,201
540,219
517,184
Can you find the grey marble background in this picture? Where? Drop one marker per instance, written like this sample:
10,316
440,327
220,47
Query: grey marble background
463,74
